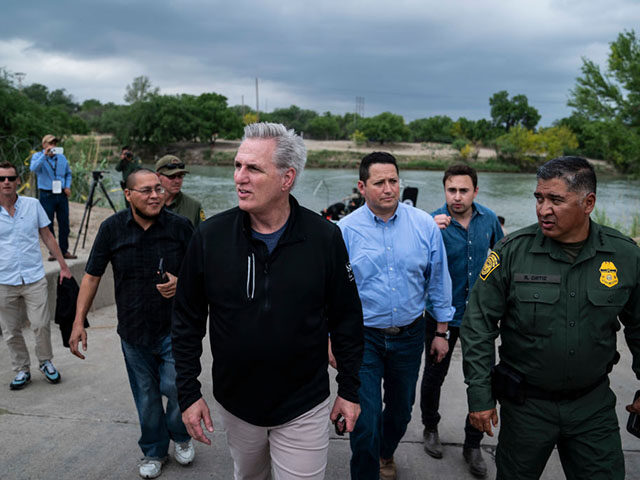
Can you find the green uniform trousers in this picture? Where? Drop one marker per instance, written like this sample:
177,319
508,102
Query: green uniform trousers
585,431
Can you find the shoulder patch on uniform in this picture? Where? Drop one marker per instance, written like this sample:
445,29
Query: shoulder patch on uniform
492,262
202,217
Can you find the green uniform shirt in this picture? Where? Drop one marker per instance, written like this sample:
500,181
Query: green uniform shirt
126,167
188,207
557,320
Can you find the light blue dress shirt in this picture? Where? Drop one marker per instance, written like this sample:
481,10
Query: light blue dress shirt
397,264
20,257
50,168
467,250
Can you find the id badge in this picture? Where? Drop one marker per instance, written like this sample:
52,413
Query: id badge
56,186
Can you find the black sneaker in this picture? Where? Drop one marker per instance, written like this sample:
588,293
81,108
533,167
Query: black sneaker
49,371
22,378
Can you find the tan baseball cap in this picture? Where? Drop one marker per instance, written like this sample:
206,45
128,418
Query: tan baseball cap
49,138
170,165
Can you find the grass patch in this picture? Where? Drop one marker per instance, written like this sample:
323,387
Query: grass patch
631,227
222,158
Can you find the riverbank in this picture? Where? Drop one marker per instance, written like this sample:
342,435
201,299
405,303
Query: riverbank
347,154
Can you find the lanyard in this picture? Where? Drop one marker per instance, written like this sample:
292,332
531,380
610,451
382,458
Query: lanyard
53,167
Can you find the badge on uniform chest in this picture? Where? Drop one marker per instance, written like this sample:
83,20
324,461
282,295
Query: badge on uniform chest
608,274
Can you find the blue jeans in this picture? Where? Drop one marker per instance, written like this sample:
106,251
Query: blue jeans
57,204
152,374
394,359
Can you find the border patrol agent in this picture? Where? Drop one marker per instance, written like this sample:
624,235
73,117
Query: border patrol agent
171,171
554,293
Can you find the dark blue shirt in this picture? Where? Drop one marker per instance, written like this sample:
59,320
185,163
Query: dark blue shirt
467,251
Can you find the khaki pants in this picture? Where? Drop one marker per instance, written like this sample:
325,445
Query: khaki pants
294,450
36,302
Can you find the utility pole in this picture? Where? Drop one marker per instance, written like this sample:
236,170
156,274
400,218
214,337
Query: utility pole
257,101
242,96
20,76
359,109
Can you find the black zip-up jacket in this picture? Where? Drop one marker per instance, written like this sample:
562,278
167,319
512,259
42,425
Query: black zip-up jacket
269,316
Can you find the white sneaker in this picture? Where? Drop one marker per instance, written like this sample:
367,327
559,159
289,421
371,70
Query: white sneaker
185,452
150,468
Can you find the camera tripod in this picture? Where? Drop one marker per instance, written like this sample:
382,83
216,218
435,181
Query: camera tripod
97,180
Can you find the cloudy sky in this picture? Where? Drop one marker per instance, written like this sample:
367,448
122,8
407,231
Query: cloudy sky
417,58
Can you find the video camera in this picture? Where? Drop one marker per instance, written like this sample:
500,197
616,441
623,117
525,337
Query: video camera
97,174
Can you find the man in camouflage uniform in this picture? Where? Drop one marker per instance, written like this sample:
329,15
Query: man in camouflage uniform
171,171
554,292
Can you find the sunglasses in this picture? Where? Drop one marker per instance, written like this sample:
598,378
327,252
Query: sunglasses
11,178
173,166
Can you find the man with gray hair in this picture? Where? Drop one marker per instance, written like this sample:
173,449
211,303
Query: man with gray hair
555,292
274,279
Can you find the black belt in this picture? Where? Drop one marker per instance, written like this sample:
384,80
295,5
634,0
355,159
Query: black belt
536,392
397,330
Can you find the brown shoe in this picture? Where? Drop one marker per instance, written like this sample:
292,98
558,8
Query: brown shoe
51,258
70,256
388,469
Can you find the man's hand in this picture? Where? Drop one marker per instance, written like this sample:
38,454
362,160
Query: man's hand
349,410
439,347
78,334
67,192
483,420
191,417
332,359
168,289
442,221
64,273
634,407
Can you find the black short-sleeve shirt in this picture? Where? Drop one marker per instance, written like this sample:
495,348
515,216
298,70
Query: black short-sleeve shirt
144,315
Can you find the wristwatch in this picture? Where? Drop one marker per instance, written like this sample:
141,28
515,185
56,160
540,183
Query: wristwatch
444,335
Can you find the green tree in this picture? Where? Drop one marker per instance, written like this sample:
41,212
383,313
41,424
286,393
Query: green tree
386,127
37,92
57,98
507,113
614,94
325,127
606,105
556,141
432,129
24,121
293,117
140,90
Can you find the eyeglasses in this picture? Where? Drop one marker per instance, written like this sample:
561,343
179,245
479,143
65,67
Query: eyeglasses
11,178
148,191
173,166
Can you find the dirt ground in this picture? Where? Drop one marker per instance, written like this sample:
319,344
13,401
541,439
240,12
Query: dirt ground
76,211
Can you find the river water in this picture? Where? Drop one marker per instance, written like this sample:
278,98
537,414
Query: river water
507,194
